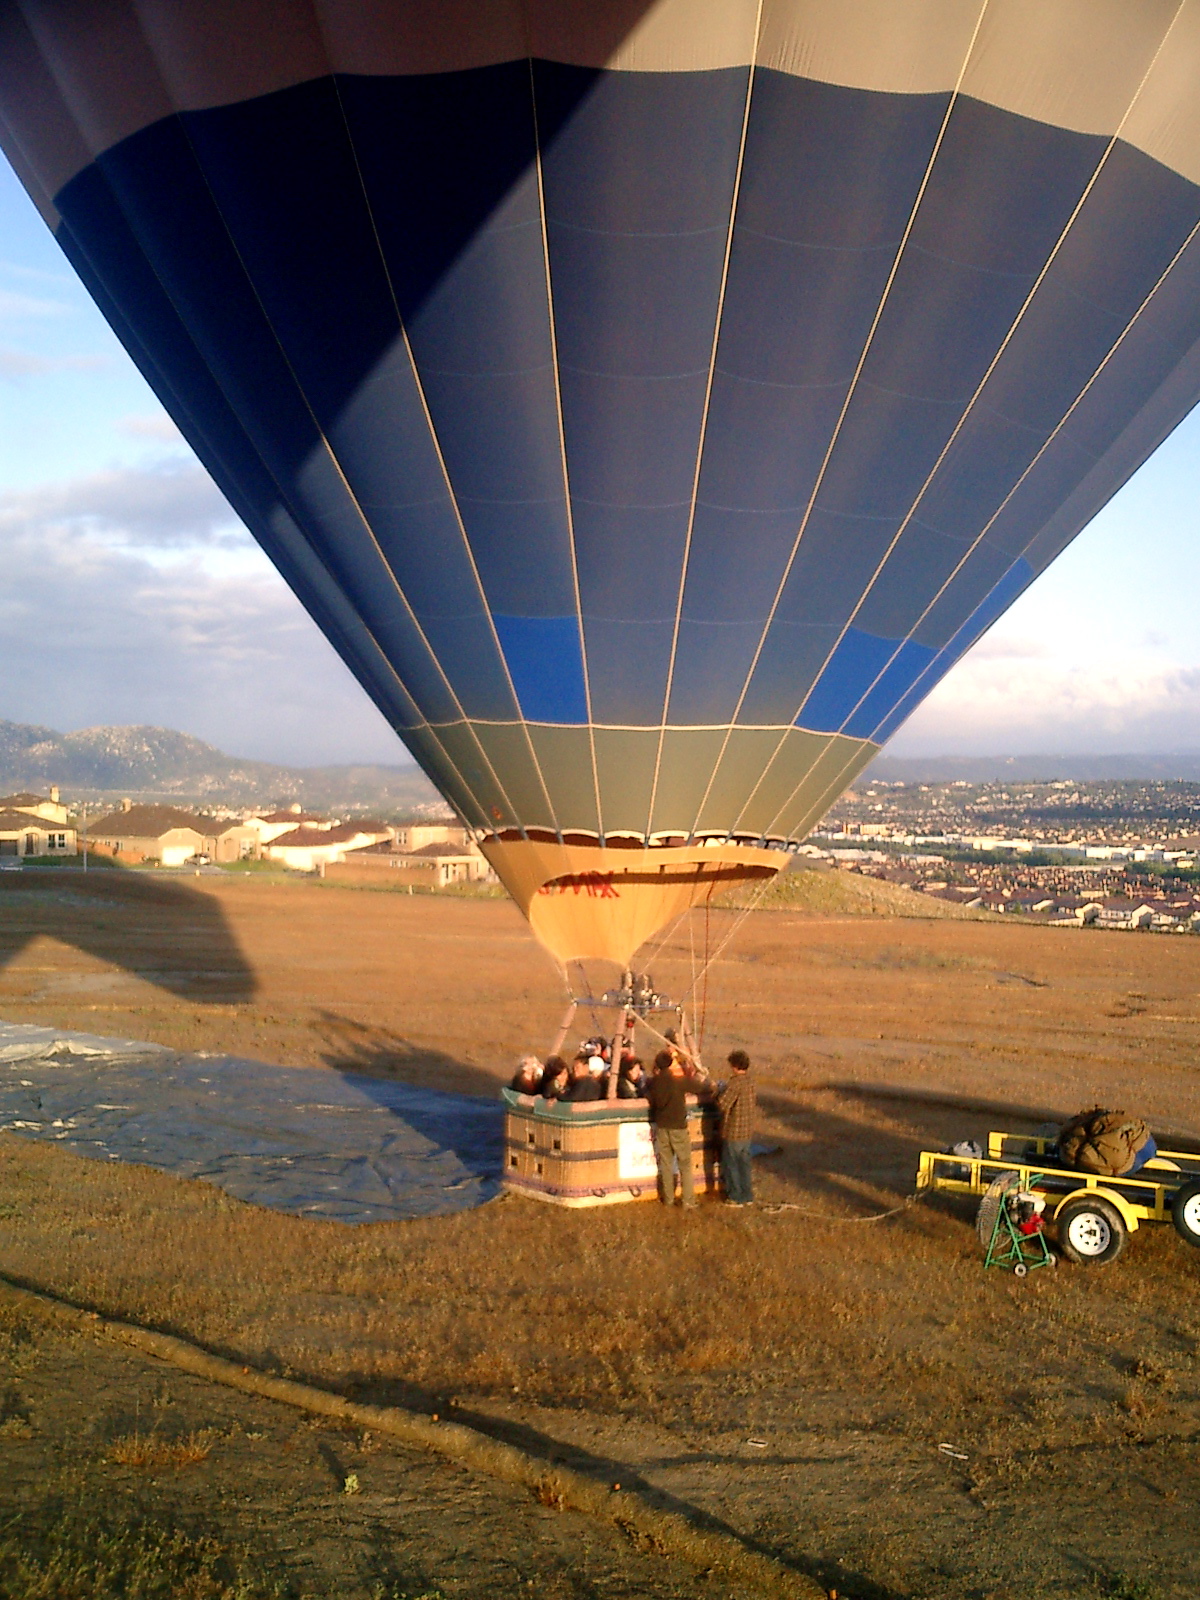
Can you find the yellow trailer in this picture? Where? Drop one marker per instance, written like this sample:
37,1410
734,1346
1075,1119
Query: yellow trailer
1093,1215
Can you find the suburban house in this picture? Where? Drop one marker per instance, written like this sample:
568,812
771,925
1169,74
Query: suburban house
152,833
432,866
452,863
1118,912
1075,909
50,810
411,836
273,824
314,846
234,838
32,825
989,900
23,834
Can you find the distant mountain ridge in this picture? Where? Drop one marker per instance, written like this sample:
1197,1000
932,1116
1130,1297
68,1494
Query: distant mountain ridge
148,763
1182,766
161,764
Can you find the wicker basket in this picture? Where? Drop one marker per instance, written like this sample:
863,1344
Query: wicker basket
595,1152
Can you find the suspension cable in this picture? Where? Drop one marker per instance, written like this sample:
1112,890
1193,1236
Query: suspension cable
711,960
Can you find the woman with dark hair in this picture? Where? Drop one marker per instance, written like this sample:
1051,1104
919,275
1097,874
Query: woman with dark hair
556,1079
632,1079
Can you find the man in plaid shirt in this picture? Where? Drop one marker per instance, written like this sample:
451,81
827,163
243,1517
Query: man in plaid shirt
736,1103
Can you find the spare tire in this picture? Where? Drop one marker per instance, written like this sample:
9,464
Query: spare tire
1185,1212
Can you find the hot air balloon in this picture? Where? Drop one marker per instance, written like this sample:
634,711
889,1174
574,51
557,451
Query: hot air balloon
650,399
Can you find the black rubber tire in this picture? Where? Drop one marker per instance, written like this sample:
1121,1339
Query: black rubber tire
1091,1232
1185,1212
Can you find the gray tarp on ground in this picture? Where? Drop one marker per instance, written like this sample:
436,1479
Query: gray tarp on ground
319,1143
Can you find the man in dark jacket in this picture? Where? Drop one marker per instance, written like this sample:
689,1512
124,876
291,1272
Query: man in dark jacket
584,1085
736,1102
667,1094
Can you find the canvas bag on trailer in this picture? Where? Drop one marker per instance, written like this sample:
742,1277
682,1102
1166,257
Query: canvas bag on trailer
1104,1142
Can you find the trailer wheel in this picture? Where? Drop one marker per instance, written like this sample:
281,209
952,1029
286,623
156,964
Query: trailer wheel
1185,1212
1090,1231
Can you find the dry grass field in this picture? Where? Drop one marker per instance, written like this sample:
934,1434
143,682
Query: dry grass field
790,1375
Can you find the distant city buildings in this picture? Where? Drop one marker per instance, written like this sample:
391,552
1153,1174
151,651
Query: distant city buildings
1116,856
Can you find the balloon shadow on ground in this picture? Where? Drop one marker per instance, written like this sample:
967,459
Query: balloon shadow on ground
859,1155
351,1046
156,928
453,1103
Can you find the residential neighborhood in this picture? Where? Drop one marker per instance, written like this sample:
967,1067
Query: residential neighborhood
1116,856
431,854
1114,879
434,855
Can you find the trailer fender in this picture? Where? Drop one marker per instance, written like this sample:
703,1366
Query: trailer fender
1098,1192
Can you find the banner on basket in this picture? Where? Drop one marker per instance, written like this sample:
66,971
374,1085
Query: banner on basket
635,1152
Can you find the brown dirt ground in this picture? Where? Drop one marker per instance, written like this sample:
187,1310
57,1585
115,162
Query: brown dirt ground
640,1344
158,1449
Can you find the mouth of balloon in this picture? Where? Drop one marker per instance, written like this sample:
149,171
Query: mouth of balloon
587,901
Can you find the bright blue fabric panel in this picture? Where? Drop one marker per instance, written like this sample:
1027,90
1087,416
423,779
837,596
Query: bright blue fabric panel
853,668
544,659
905,667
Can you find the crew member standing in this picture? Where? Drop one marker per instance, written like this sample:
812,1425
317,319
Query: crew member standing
736,1102
667,1094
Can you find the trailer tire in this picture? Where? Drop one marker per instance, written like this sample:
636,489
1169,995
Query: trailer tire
1185,1212
1090,1232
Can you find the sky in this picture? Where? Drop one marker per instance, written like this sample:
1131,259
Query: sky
131,594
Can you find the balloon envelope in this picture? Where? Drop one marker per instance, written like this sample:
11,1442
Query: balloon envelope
650,401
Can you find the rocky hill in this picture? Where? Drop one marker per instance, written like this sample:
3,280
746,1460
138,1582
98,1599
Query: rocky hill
160,764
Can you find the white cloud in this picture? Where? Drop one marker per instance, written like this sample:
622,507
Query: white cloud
152,425
1005,703
19,269
119,604
1000,646
16,364
14,305
168,504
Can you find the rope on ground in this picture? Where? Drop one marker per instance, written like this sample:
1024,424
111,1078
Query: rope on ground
773,1206
664,1532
